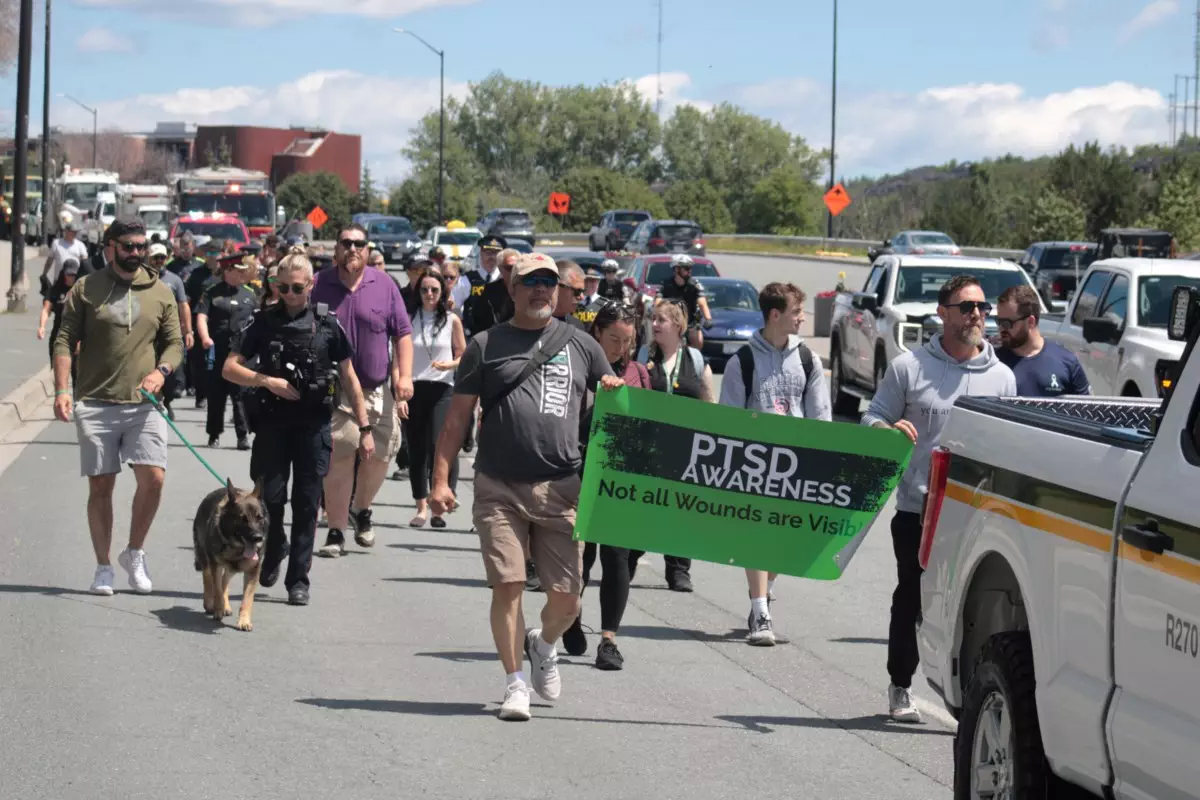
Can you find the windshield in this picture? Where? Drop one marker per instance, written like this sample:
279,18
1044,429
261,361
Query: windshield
740,296
254,209
460,238
630,216
931,238
85,194
678,233
661,270
218,232
921,284
515,219
390,227
1065,257
155,219
109,210
1154,298
520,245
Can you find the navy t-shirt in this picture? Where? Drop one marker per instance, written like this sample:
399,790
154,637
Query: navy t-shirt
1052,372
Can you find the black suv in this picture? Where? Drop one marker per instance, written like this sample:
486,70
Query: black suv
1053,268
511,223
614,229
667,236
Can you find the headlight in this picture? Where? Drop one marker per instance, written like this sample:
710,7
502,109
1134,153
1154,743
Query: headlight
908,336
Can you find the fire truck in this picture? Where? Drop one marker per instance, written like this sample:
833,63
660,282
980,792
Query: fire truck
228,190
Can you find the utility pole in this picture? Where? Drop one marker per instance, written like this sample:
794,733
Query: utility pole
1196,77
659,94
1171,117
46,204
1187,79
832,123
16,290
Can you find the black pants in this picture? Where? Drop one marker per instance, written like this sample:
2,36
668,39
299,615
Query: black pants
402,459
219,390
198,370
672,565
903,656
614,581
303,450
426,417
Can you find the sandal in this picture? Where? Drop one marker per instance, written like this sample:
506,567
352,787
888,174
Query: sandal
417,522
438,522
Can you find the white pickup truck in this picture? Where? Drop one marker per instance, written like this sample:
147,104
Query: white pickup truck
896,311
1061,594
1123,345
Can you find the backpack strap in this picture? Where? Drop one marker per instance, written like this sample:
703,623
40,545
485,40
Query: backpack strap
745,357
806,360
697,361
559,336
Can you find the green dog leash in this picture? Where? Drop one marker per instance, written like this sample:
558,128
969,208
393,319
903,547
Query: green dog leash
158,407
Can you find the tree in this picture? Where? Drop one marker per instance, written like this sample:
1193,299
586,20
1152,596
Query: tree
965,210
595,190
1053,217
304,191
1103,183
785,202
366,201
1179,209
416,198
700,202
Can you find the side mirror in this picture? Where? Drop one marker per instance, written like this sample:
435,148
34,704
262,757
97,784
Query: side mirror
864,301
1100,329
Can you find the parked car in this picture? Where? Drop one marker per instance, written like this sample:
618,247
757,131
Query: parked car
455,239
393,236
666,236
645,275
614,229
1056,267
1060,599
896,311
736,315
511,223
1122,345
917,243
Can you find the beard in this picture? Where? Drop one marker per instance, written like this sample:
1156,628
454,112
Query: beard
132,262
969,334
542,312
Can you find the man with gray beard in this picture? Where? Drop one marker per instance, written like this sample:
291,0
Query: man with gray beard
916,396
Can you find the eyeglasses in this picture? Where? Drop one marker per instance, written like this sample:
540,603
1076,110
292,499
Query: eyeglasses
967,307
539,281
132,247
577,292
298,288
1005,323
357,244
430,290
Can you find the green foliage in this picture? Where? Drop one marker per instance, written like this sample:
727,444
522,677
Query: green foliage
1103,183
785,202
966,210
1179,209
595,190
367,199
1055,218
700,202
304,191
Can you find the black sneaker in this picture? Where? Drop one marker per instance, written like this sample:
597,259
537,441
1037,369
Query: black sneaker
201,403
400,475
680,582
268,576
243,443
532,582
574,640
335,544
364,534
298,596
608,657
170,413
214,441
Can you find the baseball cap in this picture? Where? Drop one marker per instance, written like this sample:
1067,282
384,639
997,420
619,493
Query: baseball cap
70,266
496,243
530,263
157,249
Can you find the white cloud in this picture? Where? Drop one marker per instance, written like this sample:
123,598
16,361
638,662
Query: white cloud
381,110
1152,14
267,12
674,84
102,40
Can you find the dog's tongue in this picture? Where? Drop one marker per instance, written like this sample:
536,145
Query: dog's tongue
250,554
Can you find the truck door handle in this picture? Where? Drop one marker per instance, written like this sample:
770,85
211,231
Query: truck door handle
1148,537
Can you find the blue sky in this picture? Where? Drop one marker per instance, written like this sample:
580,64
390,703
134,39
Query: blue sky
918,82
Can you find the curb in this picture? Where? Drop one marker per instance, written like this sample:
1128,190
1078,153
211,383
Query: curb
19,406
852,260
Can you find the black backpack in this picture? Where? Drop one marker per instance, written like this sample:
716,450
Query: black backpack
745,357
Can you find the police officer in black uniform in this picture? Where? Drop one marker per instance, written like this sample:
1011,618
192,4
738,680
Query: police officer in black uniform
682,286
611,287
301,352
494,304
225,308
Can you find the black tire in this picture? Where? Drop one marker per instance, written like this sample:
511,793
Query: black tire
1130,390
1003,678
844,405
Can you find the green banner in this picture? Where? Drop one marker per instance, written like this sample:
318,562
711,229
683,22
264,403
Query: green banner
673,475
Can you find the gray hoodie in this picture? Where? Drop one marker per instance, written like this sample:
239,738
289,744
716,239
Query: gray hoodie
780,385
921,387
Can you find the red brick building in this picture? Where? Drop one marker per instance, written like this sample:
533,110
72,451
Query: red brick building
282,152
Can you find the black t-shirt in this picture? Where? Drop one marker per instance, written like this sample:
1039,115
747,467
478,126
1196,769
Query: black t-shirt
611,290
689,293
229,308
196,283
492,307
574,322
687,382
184,267
412,299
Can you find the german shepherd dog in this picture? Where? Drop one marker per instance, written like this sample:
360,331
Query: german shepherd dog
228,535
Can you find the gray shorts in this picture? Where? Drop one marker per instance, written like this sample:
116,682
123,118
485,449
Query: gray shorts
112,434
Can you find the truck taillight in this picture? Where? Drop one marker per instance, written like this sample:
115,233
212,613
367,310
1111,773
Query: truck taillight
1056,289
939,469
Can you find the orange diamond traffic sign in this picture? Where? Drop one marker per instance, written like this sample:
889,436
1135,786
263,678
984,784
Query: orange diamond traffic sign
836,199
318,217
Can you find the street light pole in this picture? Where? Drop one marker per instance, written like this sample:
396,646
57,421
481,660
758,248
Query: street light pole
833,123
441,54
93,111
16,289
46,135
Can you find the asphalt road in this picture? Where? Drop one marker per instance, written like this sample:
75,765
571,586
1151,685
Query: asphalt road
387,684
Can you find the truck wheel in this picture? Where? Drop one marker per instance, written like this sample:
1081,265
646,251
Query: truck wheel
845,405
998,748
880,368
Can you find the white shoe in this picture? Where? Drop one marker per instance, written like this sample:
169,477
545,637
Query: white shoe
515,707
546,680
134,562
901,707
102,582
762,633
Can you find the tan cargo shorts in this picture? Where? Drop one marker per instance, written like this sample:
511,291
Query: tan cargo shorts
385,427
516,520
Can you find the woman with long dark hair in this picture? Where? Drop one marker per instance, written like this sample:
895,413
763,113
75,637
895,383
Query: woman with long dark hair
438,343
614,328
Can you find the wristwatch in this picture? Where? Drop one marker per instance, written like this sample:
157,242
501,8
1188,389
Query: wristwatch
364,428
165,370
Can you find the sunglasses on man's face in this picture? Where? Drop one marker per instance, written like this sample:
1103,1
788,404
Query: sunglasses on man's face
347,244
1005,324
298,288
132,247
967,307
539,282
577,292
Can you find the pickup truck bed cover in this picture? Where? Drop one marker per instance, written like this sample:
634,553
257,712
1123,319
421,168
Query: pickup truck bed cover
1123,422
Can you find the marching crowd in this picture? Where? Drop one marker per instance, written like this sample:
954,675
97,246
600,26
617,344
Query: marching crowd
339,372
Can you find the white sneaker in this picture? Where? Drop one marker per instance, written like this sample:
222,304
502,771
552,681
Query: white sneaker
762,634
546,680
134,562
102,582
515,707
901,707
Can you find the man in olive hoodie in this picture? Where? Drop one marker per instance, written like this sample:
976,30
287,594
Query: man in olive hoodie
917,393
127,326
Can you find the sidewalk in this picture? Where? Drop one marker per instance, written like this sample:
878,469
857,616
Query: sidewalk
22,355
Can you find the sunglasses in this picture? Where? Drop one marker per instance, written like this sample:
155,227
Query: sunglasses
297,288
132,247
966,307
357,244
430,290
577,292
539,281
1006,324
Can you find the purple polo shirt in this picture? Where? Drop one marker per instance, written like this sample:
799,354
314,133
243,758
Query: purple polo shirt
371,316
